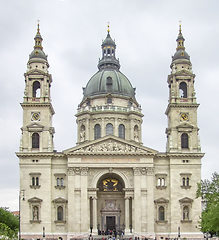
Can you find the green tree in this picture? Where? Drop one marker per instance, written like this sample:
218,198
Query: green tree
208,190
9,224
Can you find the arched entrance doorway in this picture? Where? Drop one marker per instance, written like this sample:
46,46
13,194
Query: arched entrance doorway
110,203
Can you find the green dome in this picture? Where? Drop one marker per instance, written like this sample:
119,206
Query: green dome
109,81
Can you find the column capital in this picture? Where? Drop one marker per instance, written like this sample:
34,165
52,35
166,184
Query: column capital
150,171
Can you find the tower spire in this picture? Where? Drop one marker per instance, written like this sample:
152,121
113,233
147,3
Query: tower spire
38,39
108,28
108,53
180,40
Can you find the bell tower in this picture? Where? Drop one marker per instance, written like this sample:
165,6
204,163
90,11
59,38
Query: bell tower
182,130
37,130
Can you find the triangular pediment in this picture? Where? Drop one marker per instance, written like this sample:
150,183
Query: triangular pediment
110,145
35,126
184,72
35,200
36,72
60,200
186,200
161,200
185,125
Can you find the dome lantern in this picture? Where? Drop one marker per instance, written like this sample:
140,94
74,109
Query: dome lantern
38,49
180,50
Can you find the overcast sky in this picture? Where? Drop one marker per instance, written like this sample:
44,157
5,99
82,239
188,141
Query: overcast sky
145,32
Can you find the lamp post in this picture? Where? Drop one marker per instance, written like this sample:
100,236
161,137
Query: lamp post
178,232
23,199
44,232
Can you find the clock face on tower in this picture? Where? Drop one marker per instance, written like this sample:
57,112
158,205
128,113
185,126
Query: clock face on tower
35,116
184,117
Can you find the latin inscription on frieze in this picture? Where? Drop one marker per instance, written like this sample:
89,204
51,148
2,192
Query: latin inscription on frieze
110,160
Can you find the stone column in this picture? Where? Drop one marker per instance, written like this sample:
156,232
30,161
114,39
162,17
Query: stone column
150,200
95,215
87,130
137,200
84,201
71,200
127,216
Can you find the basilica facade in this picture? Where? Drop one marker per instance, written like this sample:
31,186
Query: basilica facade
109,180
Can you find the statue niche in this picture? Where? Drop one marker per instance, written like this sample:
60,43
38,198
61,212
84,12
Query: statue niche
110,185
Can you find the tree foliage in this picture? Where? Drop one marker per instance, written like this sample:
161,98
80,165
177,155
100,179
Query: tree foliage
9,224
208,190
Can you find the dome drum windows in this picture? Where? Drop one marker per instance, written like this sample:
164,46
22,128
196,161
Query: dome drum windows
109,129
97,131
122,131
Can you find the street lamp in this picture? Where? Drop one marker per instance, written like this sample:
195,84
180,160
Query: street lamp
21,195
43,232
178,232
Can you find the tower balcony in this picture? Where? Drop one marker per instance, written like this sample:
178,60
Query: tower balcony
108,108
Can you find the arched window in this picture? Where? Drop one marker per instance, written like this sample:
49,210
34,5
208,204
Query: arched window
187,181
35,140
60,213
183,90
37,181
58,182
161,213
109,81
62,182
36,89
186,213
33,181
159,182
183,181
184,140
109,100
162,182
97,131
109,129
122,131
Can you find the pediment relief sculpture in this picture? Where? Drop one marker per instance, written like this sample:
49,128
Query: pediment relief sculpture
112,146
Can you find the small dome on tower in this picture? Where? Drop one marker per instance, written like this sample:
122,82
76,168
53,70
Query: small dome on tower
180,50
38,49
